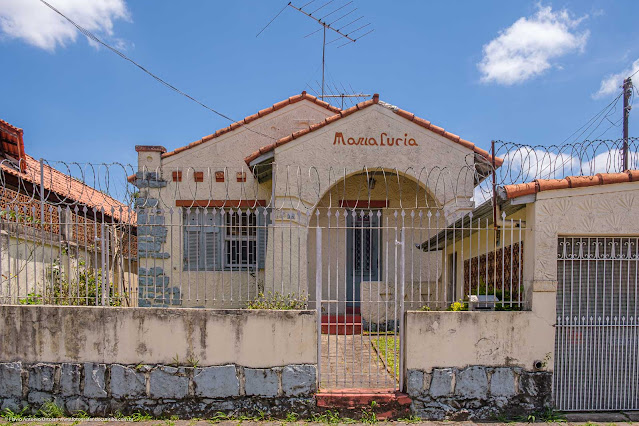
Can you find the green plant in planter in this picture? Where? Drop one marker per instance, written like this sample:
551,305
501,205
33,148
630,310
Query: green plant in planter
277,301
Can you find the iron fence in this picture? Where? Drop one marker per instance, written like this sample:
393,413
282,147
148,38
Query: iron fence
106,235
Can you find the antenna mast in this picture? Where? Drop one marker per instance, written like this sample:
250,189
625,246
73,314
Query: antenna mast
348,36
343,34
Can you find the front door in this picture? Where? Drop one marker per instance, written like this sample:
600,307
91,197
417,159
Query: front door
363,234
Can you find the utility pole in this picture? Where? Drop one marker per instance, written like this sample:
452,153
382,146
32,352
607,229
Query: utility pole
627,90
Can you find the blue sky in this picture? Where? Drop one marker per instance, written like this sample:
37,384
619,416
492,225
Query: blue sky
80,103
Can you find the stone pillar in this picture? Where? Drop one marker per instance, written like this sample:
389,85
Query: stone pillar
153,284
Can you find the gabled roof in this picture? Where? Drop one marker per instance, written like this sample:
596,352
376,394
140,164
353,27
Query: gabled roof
363,105
14,161
68,189
538,185
292,100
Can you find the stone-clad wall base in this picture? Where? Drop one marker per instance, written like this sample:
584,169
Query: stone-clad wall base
478,392
108,389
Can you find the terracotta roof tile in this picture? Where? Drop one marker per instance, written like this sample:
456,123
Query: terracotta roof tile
539,185
608,178
12,142
581,181
70,189
550,184
517,190
250,118
362,105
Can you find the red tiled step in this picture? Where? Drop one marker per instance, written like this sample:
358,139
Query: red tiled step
342,324
344,329
353,310
389,403
341,319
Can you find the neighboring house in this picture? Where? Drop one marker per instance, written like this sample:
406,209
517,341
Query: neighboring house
55,231
542,224
578,241
235,212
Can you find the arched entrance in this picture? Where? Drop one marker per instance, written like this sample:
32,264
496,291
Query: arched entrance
365,269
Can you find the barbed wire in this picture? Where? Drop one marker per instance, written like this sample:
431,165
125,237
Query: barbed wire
116,188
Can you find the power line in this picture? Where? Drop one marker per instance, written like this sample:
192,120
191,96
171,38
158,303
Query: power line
594,118
93,37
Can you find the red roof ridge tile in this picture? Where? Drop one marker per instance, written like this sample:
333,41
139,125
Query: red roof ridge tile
246,120
11,126
362,105
540,185
12,142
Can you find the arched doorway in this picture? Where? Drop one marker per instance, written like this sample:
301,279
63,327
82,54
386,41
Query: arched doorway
365,268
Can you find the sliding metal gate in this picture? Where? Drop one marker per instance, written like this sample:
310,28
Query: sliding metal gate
596,345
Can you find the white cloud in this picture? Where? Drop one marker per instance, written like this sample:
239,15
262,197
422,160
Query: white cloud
526,48
36,24
611,83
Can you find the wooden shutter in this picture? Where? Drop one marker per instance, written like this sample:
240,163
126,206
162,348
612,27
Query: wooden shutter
191,241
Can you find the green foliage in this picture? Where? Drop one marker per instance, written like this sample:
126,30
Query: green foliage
192,361
387,347
14,216
291,417
84,289
31,299
50,409
552,416
424,308
549,416
410,419
15,416
503,295
368,416
138,417
458,306
331,418
221,417
277,301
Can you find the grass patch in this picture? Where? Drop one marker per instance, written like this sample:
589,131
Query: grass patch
387,348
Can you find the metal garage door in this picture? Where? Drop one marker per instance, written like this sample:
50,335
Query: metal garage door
596,364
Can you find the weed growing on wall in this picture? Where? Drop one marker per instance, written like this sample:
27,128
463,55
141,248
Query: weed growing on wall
50,409
277,301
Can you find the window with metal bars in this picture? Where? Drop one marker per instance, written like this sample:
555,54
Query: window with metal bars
225,239
240,240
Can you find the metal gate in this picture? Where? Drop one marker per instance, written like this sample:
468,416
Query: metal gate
596,345
359,283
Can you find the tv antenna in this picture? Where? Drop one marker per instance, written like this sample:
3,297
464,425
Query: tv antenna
351,35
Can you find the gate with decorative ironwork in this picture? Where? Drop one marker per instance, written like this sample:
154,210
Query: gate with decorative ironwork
596,346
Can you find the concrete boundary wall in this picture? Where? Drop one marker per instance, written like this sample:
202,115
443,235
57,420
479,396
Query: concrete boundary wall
436,339
250,338
479,365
